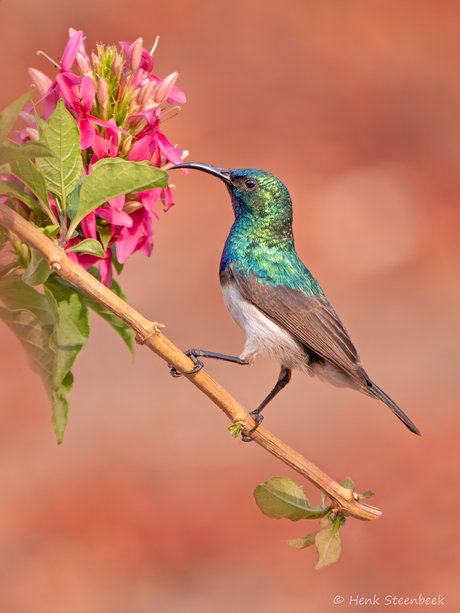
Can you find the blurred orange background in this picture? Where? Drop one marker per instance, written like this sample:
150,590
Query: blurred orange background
147,505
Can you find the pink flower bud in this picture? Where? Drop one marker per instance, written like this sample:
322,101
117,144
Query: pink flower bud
41,81
145,92
27,119
83,64
116,65
164,87
102,91
134,55
33,134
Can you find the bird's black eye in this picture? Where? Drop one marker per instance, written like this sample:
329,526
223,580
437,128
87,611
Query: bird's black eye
251,184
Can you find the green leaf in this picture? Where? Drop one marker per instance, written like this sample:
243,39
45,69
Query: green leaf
51,231
29,317
5,170
302,543
280,497
105,234
14,190
3,237
73,199
235,428
62,135
27,172
70,334
38,270
88,245
39,121
112,177
117,324
30,149
329,546
348,483
116,264
16,296
324,521
9,114
367,494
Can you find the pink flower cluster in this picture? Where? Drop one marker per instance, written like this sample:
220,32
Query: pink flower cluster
117,104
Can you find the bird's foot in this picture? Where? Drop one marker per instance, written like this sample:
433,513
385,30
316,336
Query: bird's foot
258,419
198,365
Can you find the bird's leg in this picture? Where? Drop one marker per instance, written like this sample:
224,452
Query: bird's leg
193,354
283,379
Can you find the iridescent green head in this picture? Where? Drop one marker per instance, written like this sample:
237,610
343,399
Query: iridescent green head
257,195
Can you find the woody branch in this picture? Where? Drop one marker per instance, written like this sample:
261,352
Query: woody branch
147,333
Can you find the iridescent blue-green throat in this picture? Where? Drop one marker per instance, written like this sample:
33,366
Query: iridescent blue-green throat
273,296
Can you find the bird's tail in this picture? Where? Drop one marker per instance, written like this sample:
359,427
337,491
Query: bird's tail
380,394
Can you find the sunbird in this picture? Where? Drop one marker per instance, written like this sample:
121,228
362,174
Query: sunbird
275,299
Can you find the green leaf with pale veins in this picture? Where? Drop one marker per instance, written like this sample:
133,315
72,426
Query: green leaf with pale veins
280,497
38,270
12,189
302,543
29,317
39,121
112,177
88,245
26,171
16,296
30,149
9,115
73,199
329,546
70,334
62,135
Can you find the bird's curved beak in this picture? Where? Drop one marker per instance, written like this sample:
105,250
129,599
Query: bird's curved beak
221,173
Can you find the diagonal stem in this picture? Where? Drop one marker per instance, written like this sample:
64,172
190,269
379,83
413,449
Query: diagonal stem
147,333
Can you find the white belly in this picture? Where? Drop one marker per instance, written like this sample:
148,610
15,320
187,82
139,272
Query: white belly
262,334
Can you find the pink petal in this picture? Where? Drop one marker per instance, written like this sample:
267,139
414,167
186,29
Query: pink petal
88,225
69,92
168,150
86,261
176,95
143,149
112,136
167,199
146,245
87,94
118,203
71,50
81,49
117,218
126,242
131,239
150,197
106,124
105,269
87,132
99,146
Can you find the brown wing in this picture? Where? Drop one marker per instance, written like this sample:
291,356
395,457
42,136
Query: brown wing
310,319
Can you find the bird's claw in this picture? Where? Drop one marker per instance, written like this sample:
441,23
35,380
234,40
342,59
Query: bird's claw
198,366
258,419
